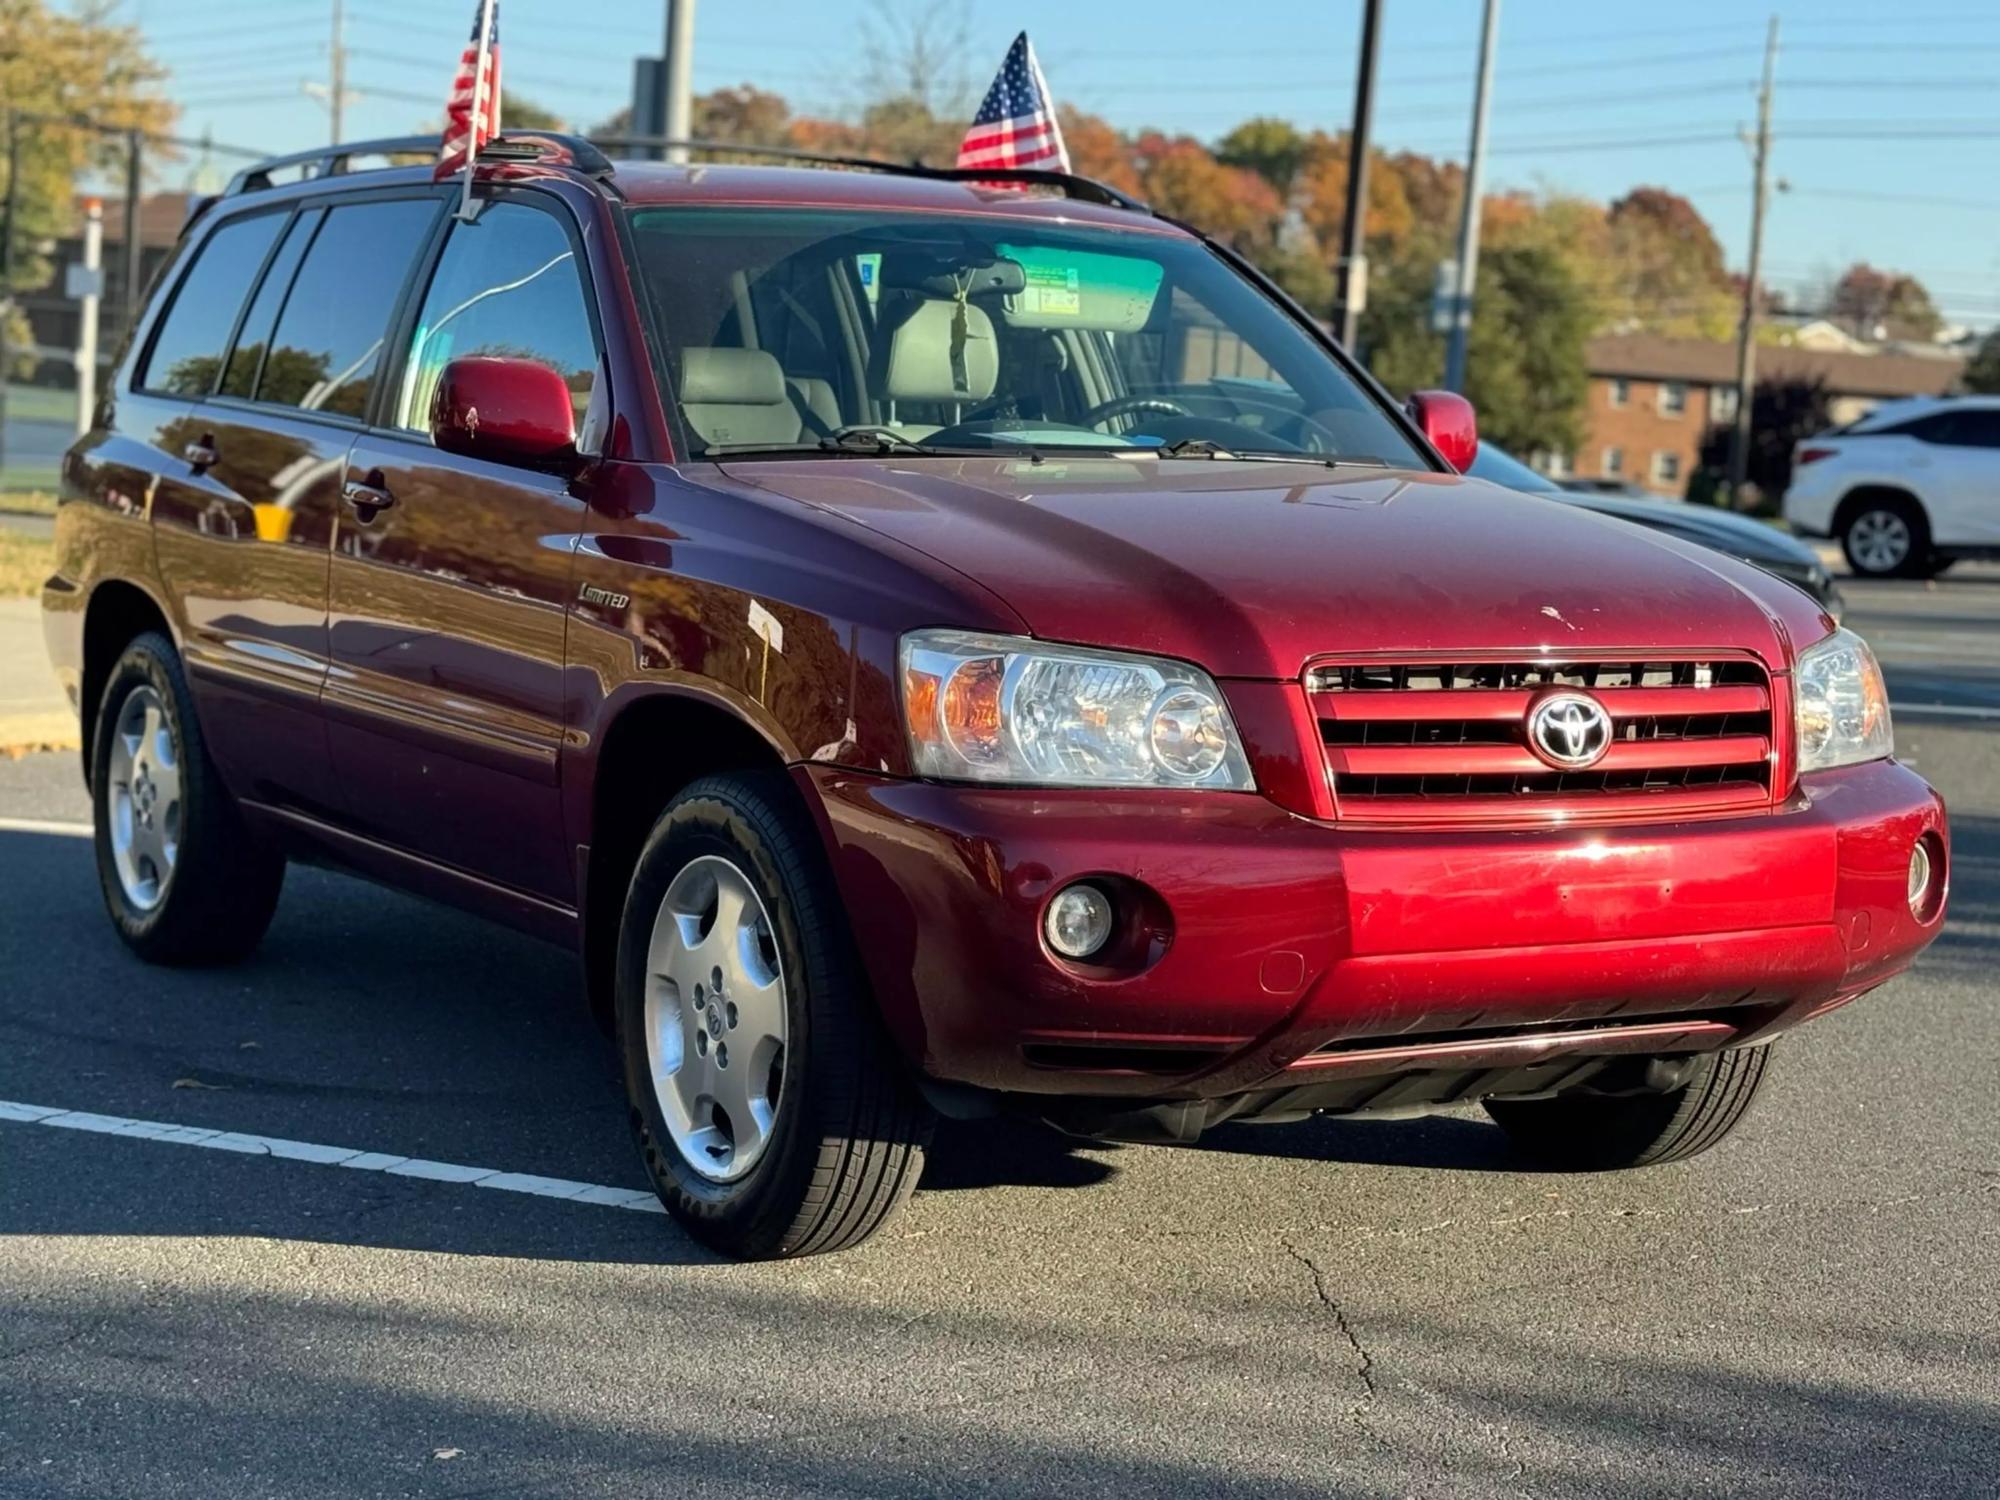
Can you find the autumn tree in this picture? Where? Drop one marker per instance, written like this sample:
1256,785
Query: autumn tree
78,77
1664,269
1872,303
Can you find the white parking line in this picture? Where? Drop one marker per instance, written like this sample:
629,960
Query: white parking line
333,1156
43,825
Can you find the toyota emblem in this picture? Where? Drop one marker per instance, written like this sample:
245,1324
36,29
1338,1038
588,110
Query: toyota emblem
1569,731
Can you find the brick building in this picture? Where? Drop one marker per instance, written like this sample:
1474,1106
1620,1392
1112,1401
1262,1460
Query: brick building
1653,398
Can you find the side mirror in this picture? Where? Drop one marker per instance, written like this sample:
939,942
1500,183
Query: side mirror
1448,421
504,409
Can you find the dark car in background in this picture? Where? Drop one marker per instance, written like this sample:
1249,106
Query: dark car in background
1741,537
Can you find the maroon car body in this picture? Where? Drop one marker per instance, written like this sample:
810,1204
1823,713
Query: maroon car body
480,681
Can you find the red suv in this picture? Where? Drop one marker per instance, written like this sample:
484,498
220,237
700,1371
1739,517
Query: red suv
952,646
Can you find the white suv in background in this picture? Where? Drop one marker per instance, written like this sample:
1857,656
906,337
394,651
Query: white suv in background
1908,489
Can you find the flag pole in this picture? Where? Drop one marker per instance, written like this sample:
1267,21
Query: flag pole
478,108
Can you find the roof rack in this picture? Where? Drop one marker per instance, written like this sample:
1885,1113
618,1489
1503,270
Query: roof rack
1086,189
334,161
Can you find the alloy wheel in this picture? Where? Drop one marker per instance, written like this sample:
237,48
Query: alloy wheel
145,797
716,1019
1880,541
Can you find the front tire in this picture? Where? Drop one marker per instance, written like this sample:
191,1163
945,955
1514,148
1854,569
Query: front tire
184,880
771,1110
1583,1132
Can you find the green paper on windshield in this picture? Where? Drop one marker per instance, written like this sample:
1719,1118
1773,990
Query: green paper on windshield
1081,289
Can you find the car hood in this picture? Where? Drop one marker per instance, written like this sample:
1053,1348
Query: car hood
1253,569
1742,535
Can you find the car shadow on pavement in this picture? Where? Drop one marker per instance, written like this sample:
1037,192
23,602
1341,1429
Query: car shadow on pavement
764,1383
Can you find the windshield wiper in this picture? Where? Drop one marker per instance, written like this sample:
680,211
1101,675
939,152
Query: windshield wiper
871,440
1203,448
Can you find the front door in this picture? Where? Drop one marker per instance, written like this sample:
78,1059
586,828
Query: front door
451,577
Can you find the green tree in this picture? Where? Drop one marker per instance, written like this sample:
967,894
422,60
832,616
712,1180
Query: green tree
1273,149
1664,269
1982,371
517,113
1525,367
1780,416
67,71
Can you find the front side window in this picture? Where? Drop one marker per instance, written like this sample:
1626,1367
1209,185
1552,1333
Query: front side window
784,330
186,356
507,284
328,341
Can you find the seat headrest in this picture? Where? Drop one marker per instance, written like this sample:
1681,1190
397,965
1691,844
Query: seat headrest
731,377
921,364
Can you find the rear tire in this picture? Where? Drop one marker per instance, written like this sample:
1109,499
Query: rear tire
1583,1132
1887,538
826,1136
184,879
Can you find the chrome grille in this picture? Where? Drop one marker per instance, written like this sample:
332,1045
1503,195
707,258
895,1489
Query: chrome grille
1448,740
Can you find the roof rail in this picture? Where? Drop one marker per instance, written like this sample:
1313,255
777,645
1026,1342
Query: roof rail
1086,189
333,161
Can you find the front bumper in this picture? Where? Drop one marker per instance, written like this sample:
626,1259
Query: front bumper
1300,949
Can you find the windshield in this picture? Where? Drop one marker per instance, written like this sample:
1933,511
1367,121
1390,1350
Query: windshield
821,331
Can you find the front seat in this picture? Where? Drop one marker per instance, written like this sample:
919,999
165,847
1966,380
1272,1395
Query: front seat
922,366
736,396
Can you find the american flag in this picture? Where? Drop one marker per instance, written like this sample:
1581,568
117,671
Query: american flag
1016,125
472,113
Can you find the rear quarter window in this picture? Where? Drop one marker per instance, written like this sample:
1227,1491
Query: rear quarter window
186,355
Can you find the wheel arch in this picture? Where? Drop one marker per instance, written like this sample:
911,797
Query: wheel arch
1861,495
654,745
118,613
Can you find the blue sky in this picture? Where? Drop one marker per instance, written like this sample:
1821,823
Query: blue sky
1886,128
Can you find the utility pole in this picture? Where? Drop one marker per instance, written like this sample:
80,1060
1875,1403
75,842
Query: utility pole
1353,258
13,204
1746,336
336,88
1468,223
679,122
135,264
90,286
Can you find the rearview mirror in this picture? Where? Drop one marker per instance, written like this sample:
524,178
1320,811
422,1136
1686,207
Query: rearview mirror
504,409
1447,419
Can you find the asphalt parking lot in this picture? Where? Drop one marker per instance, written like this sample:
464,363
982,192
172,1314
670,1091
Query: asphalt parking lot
1341,1307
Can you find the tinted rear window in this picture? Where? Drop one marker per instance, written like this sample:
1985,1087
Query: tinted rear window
186,355
329,340
240,379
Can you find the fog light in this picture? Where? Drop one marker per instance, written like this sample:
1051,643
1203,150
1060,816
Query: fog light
1920,878
1078,921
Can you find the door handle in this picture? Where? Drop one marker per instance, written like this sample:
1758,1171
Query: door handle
201,453
366,500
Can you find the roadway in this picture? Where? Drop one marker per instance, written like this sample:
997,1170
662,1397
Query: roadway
1339,1307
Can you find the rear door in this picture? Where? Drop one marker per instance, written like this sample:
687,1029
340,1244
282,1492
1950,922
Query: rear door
1963,444
449,595
253,612
249,563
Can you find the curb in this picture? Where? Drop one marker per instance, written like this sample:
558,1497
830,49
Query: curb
32,733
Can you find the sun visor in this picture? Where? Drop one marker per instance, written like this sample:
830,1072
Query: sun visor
1080,289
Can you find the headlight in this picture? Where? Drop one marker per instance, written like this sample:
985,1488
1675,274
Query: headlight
1842,706
998,708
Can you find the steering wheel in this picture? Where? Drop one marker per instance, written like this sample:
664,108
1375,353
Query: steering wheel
1119,406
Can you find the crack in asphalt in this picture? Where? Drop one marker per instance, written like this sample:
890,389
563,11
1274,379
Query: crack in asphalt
1364,1366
